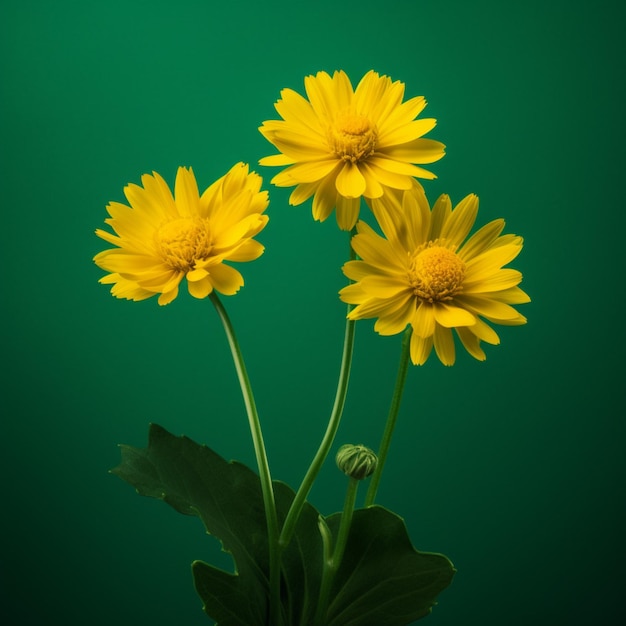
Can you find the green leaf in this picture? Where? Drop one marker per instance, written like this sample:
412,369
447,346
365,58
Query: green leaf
194,480
301,572
382,579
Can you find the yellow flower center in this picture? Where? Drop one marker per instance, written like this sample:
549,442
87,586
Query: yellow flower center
183,241
352,137
436,273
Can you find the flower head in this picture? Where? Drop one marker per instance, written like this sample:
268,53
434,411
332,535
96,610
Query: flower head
426,273
162,238
344,143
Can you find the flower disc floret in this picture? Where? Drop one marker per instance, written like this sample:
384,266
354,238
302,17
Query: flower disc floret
435,273
184,241
427,273
340,143
352,137
162,238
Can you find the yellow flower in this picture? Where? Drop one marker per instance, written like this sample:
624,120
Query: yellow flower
163,238
342,144
425,273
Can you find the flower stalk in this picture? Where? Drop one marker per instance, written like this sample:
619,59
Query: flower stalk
331,565
392,416
261,459
329,436
327,441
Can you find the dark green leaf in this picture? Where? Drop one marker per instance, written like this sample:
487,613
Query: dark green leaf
382,578
227,497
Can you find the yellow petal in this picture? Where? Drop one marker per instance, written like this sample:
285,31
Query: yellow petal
444,345
186,193
200,288
440,214
123,262
396,167
276,159
387,178
375,307
350,182
123,288
375,250
484,332
342,91
388,286
513,295
460,222
302,193
481,240
471,343
308,172
451,316
225,279
154,201
320,90
233,235
420,349
396,321
373,189
401,114
103,234
353,294
156,186
197,275
163,283
347,212
417,151
325,199
489,308
405,133
376,96
295,109
166,298
487,263
247,251
498,281
518,320
358,270
423,321
413,231
389,214
296,146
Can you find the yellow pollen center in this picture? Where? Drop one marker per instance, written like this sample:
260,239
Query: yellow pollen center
352,137
184,241
436,273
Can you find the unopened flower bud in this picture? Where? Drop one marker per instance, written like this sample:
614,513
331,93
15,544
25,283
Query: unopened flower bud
356,461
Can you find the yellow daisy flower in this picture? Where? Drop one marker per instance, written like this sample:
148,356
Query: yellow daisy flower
425,273
162,238
342,144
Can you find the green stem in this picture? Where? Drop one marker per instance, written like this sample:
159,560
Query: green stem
329,436
391,417
332,565
327,441
261,459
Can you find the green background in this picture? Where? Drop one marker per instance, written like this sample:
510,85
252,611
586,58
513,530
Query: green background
513,467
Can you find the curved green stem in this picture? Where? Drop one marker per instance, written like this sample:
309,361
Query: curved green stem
332,564
329,436
261,459
327,441
391,417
